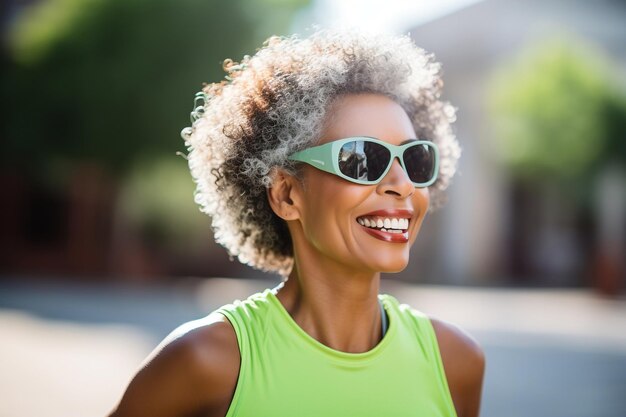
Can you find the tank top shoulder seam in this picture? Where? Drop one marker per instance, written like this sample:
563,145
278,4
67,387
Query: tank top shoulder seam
439,363
242,338
422,317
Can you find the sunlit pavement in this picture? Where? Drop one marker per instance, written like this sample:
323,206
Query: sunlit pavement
69,349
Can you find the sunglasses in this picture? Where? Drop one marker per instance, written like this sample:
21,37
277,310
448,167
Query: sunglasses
365,160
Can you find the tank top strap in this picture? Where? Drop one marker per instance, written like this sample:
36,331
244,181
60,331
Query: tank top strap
424,332
248,318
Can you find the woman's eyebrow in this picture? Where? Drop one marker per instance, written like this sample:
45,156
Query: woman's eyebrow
408,141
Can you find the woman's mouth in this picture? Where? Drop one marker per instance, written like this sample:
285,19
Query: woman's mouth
388,229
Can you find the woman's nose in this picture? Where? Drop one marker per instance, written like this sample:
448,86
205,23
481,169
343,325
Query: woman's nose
396,182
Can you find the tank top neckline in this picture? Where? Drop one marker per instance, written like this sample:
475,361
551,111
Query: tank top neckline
349,357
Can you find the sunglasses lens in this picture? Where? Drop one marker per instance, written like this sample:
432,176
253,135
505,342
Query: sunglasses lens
363,160
420,163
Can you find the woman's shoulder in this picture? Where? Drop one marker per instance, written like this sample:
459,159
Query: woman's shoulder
194,369
208,345
464,364
455,338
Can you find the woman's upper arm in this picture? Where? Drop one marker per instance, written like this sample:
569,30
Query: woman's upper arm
194,370
464,363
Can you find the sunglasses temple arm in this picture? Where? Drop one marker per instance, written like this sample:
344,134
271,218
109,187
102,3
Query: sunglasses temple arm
318,156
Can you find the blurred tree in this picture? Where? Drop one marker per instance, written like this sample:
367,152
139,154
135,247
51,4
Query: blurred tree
109,80
559,120
169,219
95,95
558,113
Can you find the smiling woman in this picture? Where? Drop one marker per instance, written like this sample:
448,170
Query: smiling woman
318,159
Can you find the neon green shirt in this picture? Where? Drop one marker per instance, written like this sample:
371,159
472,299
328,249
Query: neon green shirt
286,372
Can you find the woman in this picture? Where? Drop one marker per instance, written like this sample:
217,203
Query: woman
318,159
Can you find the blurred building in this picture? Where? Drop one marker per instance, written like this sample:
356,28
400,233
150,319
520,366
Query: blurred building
495,231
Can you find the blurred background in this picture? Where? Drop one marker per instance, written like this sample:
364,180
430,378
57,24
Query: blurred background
103,251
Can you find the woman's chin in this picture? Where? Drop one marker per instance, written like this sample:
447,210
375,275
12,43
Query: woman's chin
393,267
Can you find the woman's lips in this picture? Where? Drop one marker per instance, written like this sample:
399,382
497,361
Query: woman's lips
394,237
387,236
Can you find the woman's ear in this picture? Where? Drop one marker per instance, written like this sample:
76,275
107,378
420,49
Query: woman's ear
283,194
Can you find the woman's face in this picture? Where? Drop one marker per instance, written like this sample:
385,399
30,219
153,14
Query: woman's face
334,212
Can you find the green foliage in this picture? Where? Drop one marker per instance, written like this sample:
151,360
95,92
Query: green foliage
157,198
113,80
41,27
556,111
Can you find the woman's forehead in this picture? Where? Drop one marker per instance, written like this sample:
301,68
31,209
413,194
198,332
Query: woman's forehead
367,114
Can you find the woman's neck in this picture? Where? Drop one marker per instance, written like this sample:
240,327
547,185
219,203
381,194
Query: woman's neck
337,308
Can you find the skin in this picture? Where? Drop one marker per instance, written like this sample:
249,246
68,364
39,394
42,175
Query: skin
331,292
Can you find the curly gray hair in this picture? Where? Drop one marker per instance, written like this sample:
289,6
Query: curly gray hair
274,103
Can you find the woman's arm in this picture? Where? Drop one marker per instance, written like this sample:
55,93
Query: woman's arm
464,363
193,371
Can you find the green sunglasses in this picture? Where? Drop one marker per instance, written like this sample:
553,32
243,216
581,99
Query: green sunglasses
365,160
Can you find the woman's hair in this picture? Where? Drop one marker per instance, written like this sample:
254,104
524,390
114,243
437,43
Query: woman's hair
274,103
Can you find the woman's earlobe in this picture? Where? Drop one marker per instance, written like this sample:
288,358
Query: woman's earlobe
280,195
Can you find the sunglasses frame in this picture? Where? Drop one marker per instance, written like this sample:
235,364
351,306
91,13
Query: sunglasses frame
326,158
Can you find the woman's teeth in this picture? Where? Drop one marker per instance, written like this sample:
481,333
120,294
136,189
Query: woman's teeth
391,225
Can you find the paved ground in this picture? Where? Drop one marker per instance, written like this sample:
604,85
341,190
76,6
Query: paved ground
69,350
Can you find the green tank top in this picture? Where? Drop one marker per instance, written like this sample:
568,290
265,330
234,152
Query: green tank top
286,372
